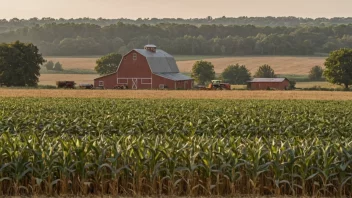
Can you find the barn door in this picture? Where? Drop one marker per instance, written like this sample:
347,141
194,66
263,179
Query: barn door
134,83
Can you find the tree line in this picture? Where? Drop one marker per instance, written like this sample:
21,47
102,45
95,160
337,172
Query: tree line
16,23
68,39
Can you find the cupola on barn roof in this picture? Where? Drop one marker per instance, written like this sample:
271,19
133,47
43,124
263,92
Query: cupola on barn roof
150,47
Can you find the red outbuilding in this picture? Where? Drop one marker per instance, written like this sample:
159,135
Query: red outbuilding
148,68
269,83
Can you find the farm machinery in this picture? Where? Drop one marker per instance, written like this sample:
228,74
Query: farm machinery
86,86
121,86
66,84
217,85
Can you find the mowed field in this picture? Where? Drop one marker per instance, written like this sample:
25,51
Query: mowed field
281,64
75,62
50,79
163,94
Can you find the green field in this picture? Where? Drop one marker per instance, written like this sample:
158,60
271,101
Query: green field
131,147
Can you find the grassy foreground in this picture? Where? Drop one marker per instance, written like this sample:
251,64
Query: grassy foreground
144,147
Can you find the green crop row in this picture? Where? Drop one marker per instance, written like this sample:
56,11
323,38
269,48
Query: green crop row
175,147
325,119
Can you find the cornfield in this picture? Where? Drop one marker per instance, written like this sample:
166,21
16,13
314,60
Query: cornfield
175,147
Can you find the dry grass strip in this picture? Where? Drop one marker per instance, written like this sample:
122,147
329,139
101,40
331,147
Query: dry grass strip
163,94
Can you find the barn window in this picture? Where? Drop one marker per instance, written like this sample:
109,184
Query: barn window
122,81
161,86
146,81
101,83
134,56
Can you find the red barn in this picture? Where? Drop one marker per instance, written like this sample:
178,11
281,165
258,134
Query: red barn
148,68
269,83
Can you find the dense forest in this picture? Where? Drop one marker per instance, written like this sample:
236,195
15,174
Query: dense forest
102,36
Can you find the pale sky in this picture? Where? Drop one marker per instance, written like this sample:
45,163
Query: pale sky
173,9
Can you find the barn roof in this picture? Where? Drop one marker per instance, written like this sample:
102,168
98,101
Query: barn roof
174,76
159,61
268,80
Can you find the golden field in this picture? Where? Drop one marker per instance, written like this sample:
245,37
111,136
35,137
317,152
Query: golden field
74,62
50,79
163,94
281,64
316,84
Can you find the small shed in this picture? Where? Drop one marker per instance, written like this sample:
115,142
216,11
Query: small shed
269,83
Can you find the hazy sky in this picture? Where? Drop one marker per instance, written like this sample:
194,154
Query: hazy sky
173,8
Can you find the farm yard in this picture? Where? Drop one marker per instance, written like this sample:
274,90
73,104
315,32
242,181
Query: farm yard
151,147
283,65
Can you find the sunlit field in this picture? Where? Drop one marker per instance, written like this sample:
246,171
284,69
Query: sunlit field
173,94
50,79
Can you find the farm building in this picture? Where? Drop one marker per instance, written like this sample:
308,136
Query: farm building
148,68
268,83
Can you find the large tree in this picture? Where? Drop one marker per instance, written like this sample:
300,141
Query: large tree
108,64
339,67
203,71
236,74
20,64
265,71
